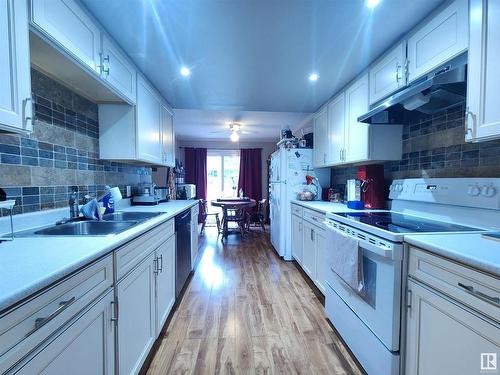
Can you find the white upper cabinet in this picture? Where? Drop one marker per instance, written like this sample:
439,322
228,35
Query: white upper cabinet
483,112
336,129
356,133
148,132
15,93
388,74
117,69
167,137
67,24
442,37
320,135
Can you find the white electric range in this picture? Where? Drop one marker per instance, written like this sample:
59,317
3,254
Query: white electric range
370,320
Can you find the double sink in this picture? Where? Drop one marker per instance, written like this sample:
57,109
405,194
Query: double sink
113,223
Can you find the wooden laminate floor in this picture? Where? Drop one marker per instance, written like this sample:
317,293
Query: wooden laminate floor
246,311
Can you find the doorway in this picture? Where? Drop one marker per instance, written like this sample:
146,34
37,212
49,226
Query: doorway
223,170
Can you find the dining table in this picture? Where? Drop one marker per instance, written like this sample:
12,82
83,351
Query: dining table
231,204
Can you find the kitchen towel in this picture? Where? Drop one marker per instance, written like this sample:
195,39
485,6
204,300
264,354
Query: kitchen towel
345,258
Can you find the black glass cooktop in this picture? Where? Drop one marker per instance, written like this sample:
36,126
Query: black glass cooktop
399,223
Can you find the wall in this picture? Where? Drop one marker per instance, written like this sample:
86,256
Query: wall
433,147
267,149
62,153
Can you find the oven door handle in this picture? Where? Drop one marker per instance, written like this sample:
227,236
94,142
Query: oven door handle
379,250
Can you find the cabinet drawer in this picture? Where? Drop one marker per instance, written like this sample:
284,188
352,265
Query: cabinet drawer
473,288
314,217
29,324
131,254
296,210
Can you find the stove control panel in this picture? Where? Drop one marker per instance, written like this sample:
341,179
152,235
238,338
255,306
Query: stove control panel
469,192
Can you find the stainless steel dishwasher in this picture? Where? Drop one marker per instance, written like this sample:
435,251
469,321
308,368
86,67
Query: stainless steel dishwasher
183,250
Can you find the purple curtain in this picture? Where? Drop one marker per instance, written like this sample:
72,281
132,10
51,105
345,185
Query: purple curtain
250,179
195,165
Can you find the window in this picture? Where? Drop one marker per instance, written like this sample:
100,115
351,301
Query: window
223,169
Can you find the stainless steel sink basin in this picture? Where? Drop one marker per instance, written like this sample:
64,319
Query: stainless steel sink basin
86,228
126,216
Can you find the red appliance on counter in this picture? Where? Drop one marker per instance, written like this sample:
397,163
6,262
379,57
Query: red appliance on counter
373,185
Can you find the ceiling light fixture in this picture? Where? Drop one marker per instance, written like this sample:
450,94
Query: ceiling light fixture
234,136
372,3
313,77
185,72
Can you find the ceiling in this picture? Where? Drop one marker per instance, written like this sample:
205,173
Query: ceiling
193,124
254,55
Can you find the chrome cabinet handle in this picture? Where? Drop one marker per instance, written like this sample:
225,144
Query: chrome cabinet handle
469,129
155,266
160,267
40,322
104,67
114,311
398,77
31,118
470,289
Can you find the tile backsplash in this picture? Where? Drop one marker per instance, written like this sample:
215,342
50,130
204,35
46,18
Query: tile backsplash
434,146
62,153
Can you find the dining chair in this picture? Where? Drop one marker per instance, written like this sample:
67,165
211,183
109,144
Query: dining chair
205,214
258,218
238,216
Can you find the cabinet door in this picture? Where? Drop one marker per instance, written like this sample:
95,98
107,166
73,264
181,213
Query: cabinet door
483,116
441,38
309,250
444,338
336,129
118,70
148,132
356,133
86,346
297,238
320,260
320,134
167,137
387,75
71,28
165,281
15,93
136,318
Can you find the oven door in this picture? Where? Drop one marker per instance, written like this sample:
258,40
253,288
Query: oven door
378,304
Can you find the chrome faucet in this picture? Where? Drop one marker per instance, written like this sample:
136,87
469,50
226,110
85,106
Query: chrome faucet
73,205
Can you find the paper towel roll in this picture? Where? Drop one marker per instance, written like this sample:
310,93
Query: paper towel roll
116,194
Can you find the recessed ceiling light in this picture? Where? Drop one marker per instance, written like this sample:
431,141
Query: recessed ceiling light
185,72
372,3
313,77
234,137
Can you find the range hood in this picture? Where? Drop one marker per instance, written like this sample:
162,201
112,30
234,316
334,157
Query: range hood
442,88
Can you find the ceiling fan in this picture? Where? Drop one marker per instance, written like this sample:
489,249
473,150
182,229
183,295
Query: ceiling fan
235,131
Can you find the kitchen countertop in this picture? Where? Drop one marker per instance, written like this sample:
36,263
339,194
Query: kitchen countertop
324,207
472,250
29,264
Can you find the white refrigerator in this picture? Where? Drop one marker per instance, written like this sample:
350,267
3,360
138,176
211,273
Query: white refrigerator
287,177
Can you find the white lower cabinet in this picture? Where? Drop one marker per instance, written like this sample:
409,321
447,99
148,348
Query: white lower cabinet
309,250
86,346
297,235
320,278
136,316
165,282
309,243
445,338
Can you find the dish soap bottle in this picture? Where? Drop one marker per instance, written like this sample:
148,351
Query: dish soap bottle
108,202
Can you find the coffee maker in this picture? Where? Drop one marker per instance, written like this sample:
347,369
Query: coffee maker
372,186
